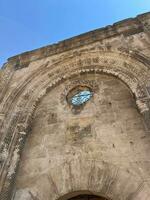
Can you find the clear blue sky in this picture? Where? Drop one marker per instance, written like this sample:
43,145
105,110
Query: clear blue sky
30,24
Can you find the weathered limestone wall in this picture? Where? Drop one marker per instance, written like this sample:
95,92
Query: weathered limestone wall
108,129
111,158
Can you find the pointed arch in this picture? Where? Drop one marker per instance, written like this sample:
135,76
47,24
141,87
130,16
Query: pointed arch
21,102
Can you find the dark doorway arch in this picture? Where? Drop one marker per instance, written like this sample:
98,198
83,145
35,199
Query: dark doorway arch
87,197
83,195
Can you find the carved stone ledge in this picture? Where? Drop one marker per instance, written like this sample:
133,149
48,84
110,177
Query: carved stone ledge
126,27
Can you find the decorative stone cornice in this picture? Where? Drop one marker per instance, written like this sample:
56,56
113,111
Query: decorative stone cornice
126,27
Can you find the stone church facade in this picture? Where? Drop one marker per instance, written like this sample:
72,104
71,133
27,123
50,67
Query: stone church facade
75,117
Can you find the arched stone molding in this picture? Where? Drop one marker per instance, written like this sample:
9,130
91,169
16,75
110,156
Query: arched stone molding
80,176
131,71
22,101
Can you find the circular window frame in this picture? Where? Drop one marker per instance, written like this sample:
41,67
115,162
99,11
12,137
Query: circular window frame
77,90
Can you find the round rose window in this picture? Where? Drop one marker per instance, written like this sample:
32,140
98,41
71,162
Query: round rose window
79,95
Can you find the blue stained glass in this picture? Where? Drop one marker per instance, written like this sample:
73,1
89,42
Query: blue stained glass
81,97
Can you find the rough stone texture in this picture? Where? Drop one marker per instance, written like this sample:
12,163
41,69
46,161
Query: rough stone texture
109,129
103,148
